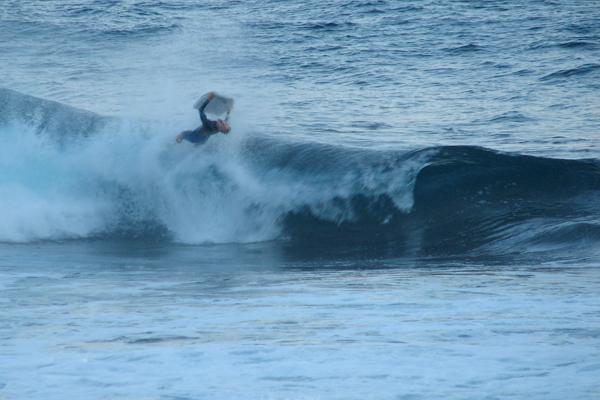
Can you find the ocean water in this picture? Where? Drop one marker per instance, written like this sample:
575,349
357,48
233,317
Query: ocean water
407,206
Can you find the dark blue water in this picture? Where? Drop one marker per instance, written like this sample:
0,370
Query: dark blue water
408,200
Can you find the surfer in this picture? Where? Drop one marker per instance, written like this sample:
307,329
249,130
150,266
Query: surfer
208,128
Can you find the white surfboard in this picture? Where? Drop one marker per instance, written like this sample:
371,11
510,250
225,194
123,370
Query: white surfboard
219,106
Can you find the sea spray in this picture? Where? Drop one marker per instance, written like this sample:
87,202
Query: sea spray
128,179
132,179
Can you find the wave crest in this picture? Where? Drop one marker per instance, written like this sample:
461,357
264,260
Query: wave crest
118,182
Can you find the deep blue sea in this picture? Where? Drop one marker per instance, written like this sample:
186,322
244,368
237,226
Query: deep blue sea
407,206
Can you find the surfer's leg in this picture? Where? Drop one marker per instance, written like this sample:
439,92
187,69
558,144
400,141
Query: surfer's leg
183,136
197,136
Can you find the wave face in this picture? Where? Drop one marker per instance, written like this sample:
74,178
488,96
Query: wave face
71,174
48,117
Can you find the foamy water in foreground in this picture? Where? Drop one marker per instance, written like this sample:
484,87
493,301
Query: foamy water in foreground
246,323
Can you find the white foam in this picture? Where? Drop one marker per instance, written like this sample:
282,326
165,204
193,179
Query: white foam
132,174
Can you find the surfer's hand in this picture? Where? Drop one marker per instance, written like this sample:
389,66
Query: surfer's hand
179,138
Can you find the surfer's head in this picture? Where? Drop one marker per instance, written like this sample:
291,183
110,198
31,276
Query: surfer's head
223,126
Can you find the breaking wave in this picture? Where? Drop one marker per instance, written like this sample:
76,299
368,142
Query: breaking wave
71,174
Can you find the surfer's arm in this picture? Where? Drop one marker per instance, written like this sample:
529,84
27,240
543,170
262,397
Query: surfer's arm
205,121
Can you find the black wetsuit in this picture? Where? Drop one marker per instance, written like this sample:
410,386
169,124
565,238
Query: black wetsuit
202,133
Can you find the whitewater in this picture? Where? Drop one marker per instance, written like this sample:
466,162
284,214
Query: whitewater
406,206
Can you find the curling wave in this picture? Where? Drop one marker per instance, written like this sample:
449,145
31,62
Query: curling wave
68,174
